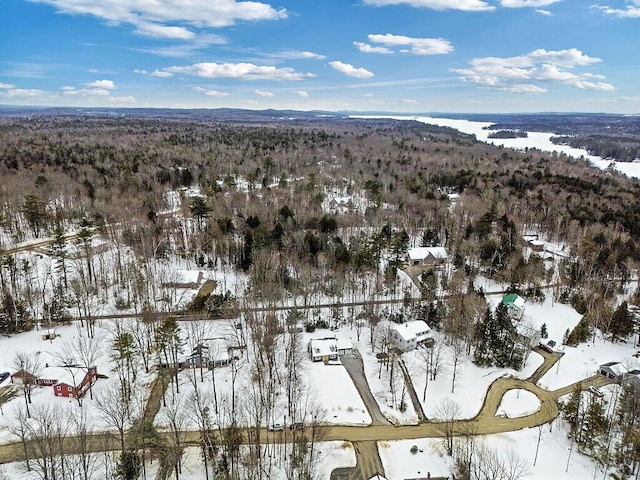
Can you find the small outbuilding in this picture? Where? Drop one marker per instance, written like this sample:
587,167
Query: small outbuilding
48,334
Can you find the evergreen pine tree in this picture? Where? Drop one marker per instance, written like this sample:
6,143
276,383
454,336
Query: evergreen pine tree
130,466
543,331
621,325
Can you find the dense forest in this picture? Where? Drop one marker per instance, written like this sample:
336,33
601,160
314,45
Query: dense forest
304,208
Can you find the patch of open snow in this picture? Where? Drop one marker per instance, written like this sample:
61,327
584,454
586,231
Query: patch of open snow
518,403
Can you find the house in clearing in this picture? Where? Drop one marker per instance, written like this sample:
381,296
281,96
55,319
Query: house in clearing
322,349
328,348
408,336
428,256
68,381
514,304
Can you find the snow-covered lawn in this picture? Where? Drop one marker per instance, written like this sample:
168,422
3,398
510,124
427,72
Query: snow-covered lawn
553,454
471,382
399,462
337,394
518,403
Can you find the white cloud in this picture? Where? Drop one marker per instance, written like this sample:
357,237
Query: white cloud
161,74
85,92
263,93
98,90
295,55
409,101
158,18
210,93
108,84
527,3
164,31
351,71
519,74
418,46
366,48
182,50
467,5
126,99
241,71
631,11
302,93
9,91
544,12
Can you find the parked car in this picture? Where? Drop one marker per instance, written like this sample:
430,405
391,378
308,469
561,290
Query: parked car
297,426
276,427
4,376
595,391
549,346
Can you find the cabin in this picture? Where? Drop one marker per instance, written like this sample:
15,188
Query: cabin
408,336
426,256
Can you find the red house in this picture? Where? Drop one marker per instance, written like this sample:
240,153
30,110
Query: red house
70,382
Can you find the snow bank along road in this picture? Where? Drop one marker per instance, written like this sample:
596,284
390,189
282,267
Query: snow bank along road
485,422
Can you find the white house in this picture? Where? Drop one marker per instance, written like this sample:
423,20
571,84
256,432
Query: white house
427,256
407,336
324,349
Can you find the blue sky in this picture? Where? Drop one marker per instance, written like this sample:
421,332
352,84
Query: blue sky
365,55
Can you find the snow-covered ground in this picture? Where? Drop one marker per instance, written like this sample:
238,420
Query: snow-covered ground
553,459
471,381
518,403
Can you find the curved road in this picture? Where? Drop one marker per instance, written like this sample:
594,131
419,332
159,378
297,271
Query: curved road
485,422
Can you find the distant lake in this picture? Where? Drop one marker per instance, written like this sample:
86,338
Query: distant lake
540,140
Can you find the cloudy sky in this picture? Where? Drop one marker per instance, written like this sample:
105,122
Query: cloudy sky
364,55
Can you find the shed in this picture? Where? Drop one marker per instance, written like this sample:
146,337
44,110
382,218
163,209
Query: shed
48,334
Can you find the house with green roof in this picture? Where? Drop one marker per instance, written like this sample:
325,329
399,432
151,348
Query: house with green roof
514,304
